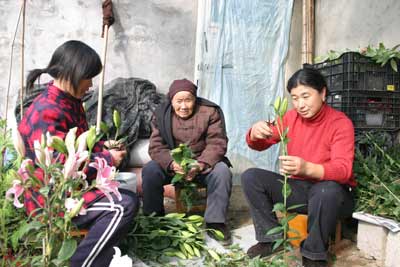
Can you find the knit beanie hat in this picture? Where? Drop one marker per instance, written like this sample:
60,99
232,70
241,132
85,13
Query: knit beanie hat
182,85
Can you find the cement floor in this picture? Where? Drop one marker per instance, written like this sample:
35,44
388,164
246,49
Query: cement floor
347,254
239,219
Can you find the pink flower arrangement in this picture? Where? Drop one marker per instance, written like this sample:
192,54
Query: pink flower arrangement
105,178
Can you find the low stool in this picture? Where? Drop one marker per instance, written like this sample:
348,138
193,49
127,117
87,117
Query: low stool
299,223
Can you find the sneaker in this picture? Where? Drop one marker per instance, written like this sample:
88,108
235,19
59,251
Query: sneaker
314,263
224,229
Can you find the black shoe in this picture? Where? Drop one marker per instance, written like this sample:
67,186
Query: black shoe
262,249
224,229
311,263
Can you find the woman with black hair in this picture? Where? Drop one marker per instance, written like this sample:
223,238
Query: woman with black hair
319,163
57,110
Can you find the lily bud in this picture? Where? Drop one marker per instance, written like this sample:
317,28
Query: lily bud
18,143
91,138
283,107
70,140
277,104
117,119
75,210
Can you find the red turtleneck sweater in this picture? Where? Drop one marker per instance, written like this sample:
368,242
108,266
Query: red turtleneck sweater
326,139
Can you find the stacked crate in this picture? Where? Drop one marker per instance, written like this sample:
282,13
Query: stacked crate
368,93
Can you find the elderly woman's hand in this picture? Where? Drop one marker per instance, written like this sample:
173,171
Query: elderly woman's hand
113,144
195,170
176,168
260,130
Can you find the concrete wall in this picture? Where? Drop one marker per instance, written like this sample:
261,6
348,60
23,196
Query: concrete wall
342,24
151,39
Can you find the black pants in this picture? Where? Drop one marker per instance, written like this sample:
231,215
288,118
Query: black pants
107,224
325,203
219,187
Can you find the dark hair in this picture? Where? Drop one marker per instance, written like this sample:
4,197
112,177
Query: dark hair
307,76
73,61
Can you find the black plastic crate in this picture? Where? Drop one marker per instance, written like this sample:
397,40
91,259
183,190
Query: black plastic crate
354,71
368,110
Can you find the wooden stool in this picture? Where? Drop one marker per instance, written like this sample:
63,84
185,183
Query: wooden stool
79,233
299,223
197,207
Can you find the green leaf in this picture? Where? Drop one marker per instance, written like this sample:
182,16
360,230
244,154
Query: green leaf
278,207
104,127
180,255
177,178
277,243
59,145
393,64
293,207
275,230
214,254
44,190
188,249
68,248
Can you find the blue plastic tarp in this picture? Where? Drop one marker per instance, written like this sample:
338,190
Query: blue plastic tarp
244,46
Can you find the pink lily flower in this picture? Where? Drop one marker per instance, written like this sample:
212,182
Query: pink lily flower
105,178
73,163
72,203
23,170
75,157
17,189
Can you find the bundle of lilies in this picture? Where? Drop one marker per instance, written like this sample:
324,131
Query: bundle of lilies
55,184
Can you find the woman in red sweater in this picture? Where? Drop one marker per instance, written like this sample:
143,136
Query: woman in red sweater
319,163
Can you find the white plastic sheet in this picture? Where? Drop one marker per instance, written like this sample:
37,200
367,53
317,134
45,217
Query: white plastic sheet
240,66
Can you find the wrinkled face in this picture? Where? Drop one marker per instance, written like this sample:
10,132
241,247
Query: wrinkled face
183,103
84,86
307,100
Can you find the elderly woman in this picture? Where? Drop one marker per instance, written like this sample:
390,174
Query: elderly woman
188,119
319,163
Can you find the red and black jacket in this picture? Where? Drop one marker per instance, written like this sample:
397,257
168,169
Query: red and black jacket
56,112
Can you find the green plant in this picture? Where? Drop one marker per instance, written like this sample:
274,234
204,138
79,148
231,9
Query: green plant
280,108
118,141
236,257
60,186
380,55
184,157
10,218
383,55
377,169
154,238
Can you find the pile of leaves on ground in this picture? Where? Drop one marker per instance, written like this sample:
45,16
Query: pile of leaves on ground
377,170
157,240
